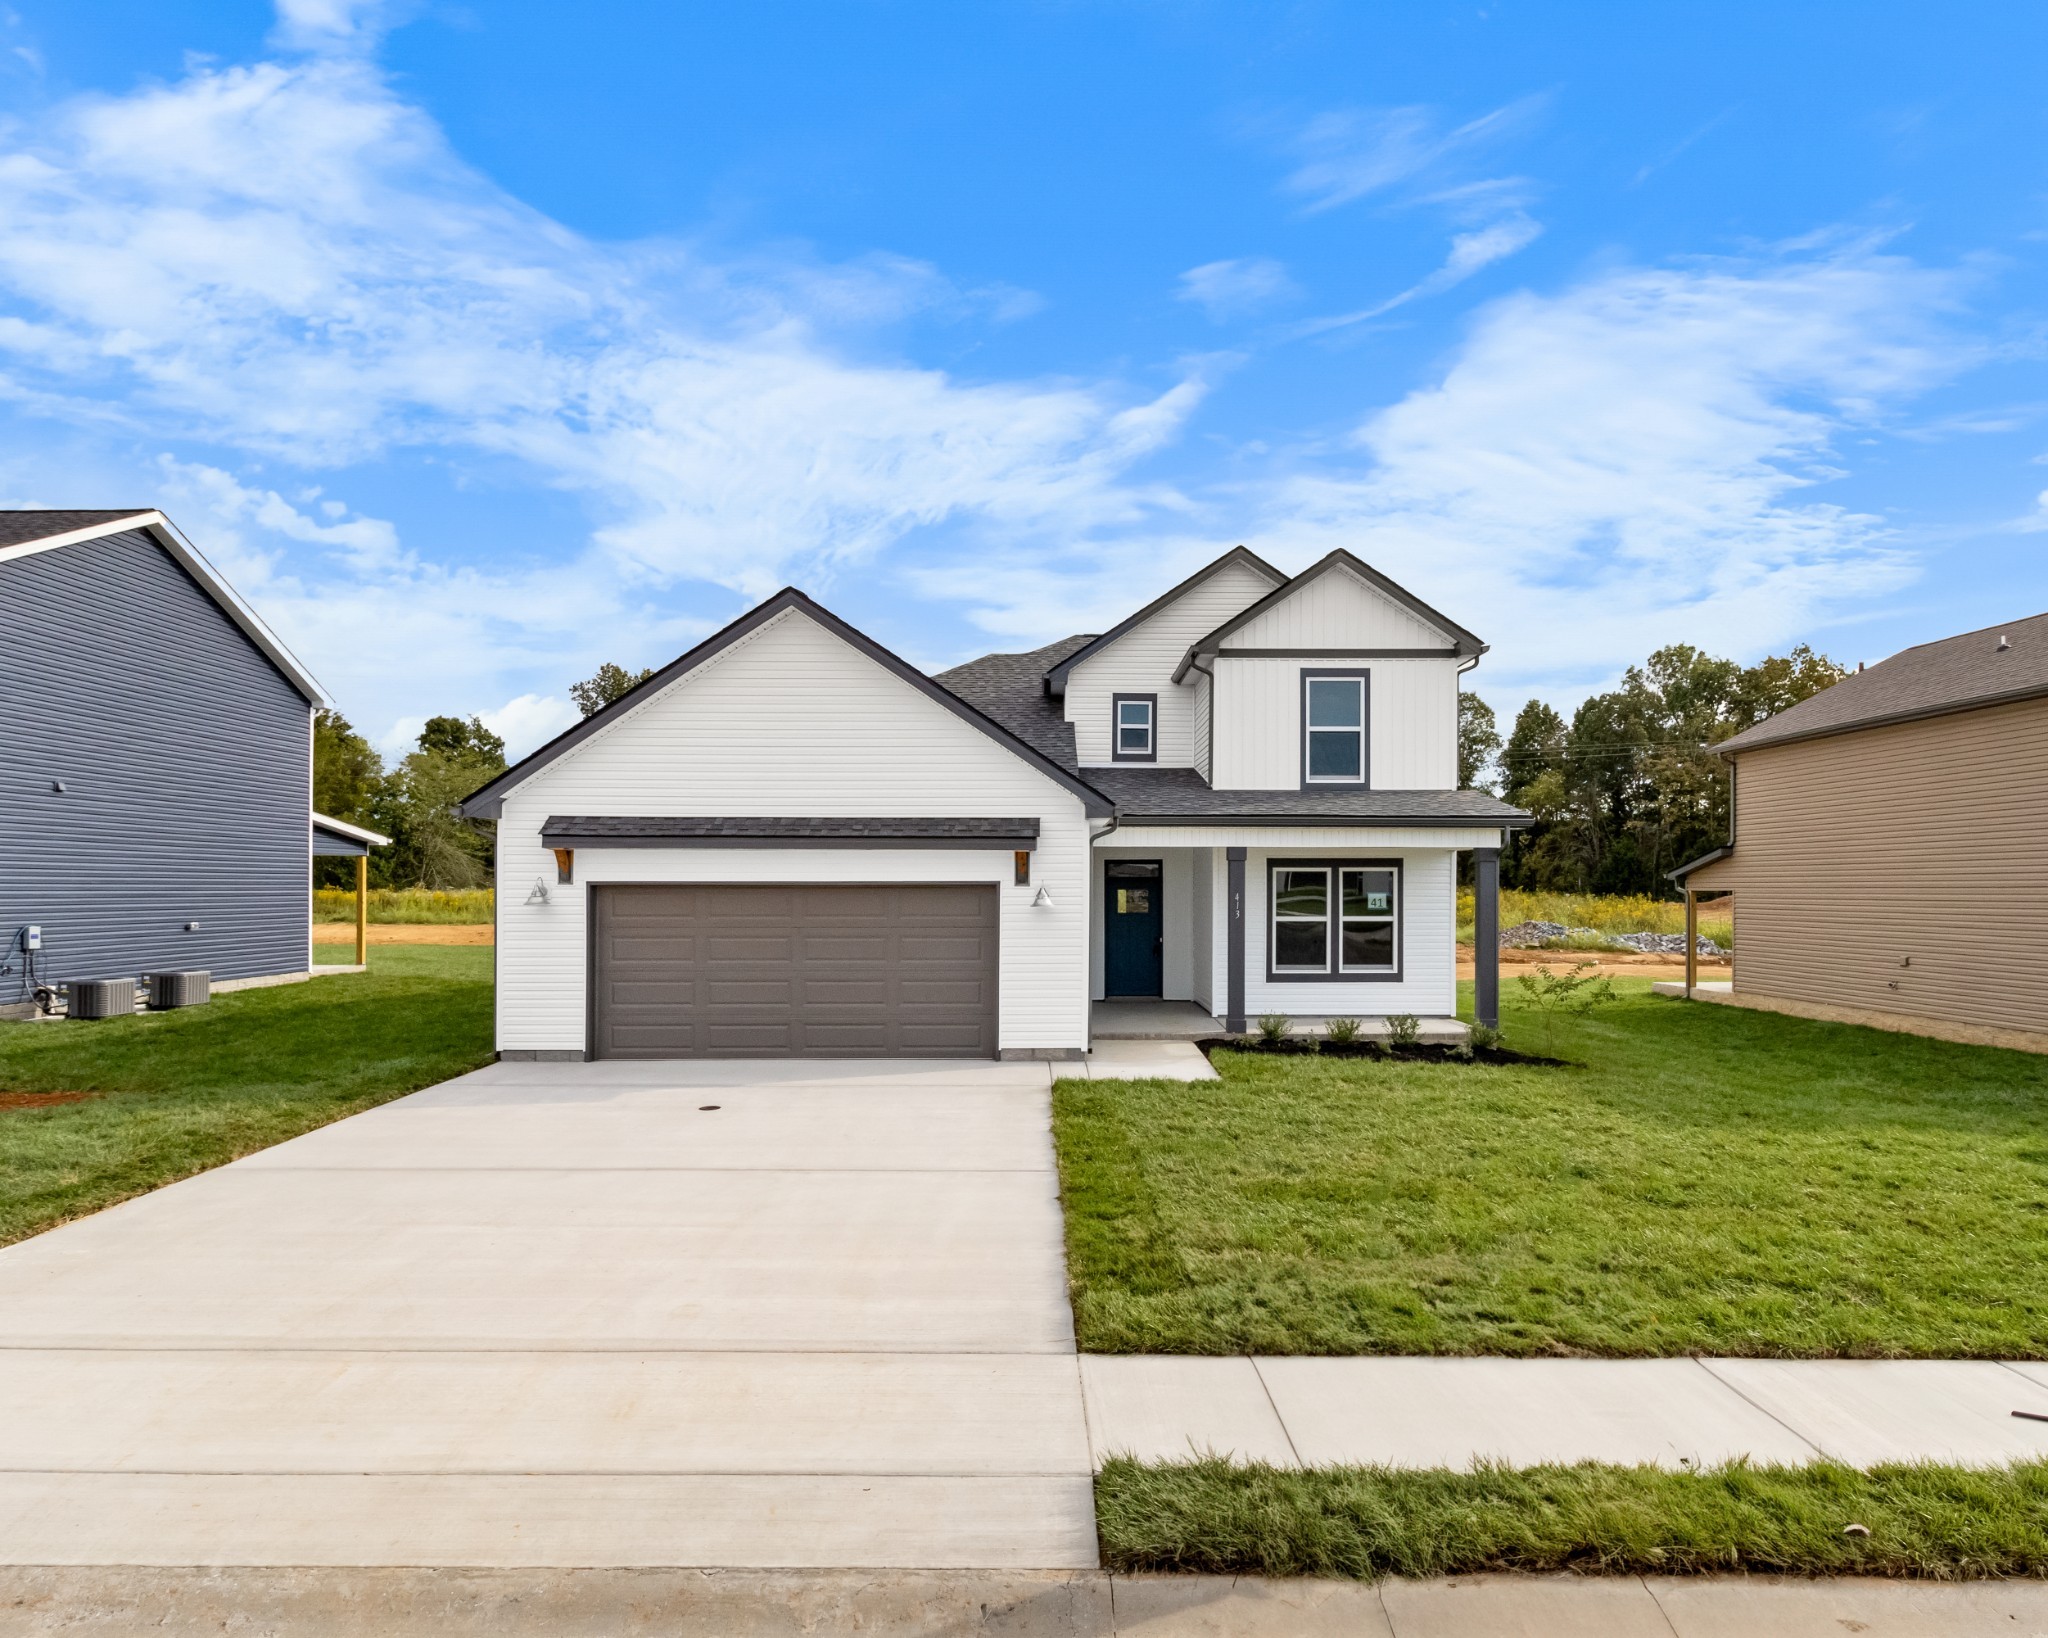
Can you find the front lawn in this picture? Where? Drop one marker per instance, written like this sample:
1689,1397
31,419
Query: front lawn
1215,1517
1706,1180
182,1091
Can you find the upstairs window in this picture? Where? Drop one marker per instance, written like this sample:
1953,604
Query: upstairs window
1333,749
1135,728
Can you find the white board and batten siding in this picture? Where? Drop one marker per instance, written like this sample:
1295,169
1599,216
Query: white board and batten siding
1411,716
1412,703
791,721
1143,660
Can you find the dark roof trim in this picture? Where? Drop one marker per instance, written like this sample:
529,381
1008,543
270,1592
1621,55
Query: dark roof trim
188,557
1317,821
692,830
1464,642
1056,678
486,802
1703,860
1335,653
1733,747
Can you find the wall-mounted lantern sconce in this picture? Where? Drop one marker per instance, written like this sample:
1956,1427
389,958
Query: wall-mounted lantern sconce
539,895
1042,900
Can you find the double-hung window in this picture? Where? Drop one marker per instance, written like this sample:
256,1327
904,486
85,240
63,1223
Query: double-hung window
1335,919
1333,740
1135,728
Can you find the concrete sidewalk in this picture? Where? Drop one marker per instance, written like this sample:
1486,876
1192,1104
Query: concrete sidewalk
1430,1412
410,1603
618,1314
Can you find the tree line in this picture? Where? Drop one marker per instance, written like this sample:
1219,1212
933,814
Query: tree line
1630,787
415,803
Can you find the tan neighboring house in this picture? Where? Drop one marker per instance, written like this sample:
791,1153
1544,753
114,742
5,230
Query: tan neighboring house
1889,856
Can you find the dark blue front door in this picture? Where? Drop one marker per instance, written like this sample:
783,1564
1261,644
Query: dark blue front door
1133,923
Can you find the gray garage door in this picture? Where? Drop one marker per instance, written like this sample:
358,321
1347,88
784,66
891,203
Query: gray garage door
806,972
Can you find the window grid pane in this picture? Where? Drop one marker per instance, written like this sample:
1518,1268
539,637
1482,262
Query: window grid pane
1335,702
1301,921
1367,911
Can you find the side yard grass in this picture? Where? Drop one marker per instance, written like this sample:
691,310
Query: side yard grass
179,1092
1703,1180
1214,1517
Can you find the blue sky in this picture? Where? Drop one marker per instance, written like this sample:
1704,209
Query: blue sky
479,345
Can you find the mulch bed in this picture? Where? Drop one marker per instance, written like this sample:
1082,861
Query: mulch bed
1423,1052
43,1100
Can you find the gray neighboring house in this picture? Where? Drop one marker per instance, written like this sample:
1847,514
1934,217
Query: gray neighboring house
155,762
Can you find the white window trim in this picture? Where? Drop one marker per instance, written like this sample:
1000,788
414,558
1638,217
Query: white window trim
1363,778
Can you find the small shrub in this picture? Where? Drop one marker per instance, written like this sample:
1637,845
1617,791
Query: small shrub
1484,1038
1341,1030
1274,1027
1404,1029
1572,994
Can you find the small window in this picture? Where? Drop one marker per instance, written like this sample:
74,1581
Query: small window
1333,728
1336,919
1134,728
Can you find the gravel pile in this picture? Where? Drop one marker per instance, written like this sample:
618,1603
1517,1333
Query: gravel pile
1529,935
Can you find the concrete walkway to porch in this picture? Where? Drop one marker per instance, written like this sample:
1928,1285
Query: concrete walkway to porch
1450,1412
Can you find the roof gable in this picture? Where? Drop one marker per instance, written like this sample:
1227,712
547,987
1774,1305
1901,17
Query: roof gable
1237,556
24,534
1407,616
1957,673
487,802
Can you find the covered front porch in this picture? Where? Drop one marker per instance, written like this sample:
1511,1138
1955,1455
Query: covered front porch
1201,930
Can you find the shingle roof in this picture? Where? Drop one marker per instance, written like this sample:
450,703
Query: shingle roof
19,528
783,828
1155,794
1011,689
1955,674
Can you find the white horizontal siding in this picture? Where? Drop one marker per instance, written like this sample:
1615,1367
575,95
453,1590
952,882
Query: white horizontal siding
1201,705
1337,610
1428,986
1143,660
1413,717
791,721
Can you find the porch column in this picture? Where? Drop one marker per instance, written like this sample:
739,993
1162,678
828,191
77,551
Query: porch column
1486,936
362,907
1233,1013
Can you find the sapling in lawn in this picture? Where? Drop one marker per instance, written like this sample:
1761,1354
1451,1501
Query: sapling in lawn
1552,995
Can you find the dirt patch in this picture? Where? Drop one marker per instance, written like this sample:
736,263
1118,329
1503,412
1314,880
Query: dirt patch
43,1100
1610,963
404,932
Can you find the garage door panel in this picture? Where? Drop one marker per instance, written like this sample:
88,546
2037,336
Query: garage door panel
857,970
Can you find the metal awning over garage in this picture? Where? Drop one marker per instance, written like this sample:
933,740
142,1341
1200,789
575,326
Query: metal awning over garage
699,830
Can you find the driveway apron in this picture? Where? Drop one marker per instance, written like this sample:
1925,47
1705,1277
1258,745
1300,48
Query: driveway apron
772,1314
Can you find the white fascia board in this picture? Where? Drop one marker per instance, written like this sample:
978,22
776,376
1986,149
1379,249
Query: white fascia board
355,833
1389,837
189,557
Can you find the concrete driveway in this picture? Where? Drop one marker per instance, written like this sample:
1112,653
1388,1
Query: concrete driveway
563,1314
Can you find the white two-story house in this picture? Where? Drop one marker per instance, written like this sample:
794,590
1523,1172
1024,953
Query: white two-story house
791,842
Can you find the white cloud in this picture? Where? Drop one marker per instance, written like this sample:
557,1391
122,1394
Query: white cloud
1469,253
1593,472
326,25
1230,289
286,259
530,721
1349,154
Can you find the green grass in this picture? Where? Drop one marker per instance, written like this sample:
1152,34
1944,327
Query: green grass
1704,1180
469,906
193,1089
1933,1521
